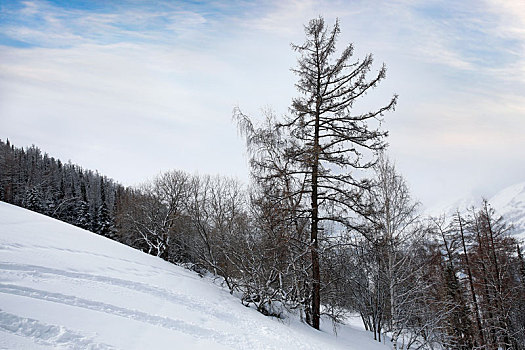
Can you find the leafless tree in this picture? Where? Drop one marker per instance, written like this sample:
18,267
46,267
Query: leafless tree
217,206
390,285
155,213
324,139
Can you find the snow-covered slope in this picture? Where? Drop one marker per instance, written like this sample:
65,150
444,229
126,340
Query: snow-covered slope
63,287
509,203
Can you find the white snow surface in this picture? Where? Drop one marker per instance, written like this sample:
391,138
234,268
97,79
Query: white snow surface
509,203
65,288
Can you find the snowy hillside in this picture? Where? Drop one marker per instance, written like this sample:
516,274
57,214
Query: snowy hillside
509,203
63,287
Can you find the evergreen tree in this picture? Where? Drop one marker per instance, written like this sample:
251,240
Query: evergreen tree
521,266
104,223
32,179
460,326
34,200
83,216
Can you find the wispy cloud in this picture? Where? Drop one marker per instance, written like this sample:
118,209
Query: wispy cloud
159,80
41,23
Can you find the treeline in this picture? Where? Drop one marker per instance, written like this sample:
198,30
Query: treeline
481,280
65,191
455,282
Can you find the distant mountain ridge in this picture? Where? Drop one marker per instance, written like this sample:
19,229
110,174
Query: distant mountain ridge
509,203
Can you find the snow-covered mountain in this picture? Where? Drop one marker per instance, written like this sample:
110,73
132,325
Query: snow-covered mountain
63,287
509,203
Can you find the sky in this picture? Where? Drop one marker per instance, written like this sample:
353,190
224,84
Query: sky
133,88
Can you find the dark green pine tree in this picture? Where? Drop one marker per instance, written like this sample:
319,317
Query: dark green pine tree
34,200
104,223
83,219
460,326
518,310
60,196
71,201
521,267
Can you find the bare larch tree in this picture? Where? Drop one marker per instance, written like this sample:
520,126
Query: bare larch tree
329,138
325,139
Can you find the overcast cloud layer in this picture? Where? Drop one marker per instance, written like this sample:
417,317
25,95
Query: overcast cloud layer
131,89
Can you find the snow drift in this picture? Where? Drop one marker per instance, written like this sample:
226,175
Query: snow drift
63,287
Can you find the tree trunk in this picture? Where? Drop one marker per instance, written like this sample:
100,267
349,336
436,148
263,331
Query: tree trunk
314,244
481,340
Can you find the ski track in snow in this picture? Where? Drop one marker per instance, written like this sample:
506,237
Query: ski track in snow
51,335
178,298
165,322
76,341
10,246
69,300
46,334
